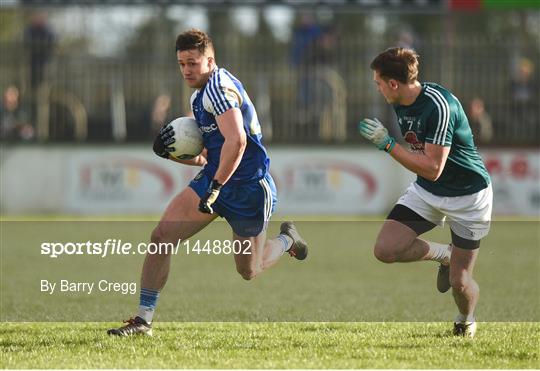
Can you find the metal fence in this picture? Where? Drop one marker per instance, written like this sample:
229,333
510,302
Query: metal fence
319,99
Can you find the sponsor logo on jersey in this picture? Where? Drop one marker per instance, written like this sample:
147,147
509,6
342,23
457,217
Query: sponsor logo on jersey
209,128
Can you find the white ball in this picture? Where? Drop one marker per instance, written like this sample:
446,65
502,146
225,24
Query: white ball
188,140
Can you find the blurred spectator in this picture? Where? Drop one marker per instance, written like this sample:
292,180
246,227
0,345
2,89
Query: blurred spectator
313,54
321,53
305,34
480,121
39,43
303,50
325,88
525,94
160,113
13,118
406,39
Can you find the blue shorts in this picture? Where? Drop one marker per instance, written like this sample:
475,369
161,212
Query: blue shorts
247,207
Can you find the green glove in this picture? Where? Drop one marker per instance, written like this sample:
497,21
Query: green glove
376,133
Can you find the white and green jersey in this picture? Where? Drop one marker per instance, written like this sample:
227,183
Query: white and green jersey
437,117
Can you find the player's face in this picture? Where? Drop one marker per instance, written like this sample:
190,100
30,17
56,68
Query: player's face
195,67
388,88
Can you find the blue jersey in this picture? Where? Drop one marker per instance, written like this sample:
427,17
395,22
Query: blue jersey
222,92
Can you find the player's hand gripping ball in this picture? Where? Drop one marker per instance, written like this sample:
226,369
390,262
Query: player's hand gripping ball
181,139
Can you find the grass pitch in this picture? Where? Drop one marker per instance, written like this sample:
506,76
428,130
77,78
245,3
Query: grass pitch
338,309
271,345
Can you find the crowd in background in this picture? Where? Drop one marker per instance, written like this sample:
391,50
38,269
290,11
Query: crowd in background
314,87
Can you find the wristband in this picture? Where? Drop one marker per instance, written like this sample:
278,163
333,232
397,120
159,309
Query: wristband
215,185
390,145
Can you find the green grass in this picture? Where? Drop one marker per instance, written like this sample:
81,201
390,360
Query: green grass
271,345
339,309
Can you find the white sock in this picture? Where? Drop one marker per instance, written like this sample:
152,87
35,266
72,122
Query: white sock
286,241
440,252
462,318
146,313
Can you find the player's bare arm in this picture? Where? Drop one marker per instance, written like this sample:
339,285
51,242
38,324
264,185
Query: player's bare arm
230,124
232,129
428,164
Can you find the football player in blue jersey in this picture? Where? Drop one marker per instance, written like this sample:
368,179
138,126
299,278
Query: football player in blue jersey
452,180
234,183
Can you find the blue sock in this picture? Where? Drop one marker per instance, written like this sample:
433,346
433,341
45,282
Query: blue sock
147,304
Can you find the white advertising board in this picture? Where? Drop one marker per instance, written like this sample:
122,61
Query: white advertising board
319,181
515,175
123,181
314,181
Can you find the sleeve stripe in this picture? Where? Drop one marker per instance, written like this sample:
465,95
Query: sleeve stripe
225,100
217,91
214,95
211,94
440,117
442,105
446,108
446,114
218,95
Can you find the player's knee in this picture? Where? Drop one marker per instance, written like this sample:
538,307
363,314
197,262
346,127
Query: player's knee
384,254
460,281
160,237
247,273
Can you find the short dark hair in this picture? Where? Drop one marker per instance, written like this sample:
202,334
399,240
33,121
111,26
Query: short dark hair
194,39
397,63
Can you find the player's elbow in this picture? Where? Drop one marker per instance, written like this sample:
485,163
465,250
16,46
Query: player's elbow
240,145
434,173
238,142
242,142
436,176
